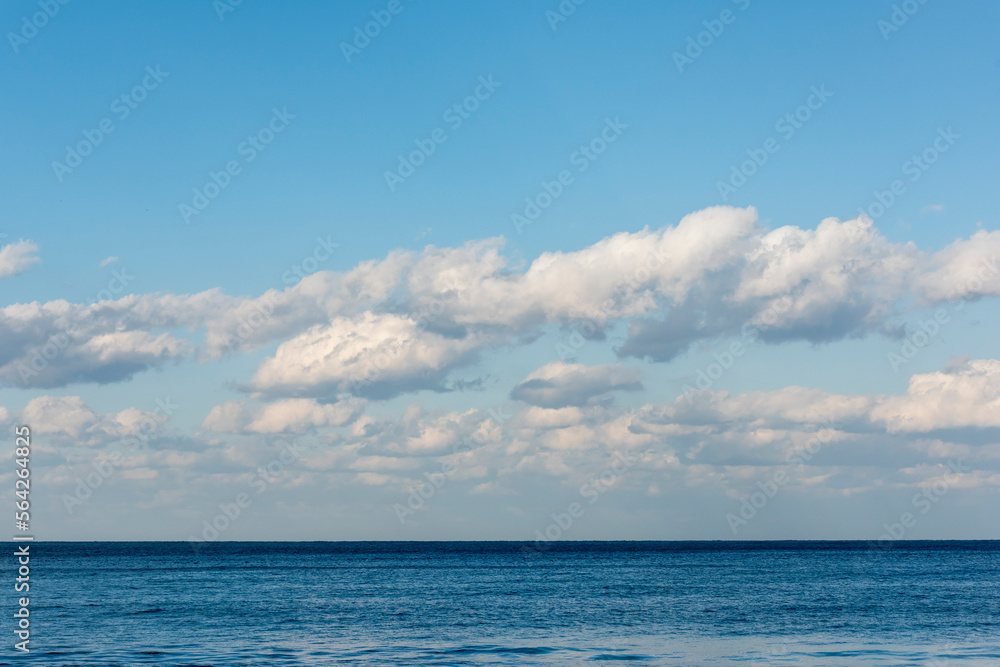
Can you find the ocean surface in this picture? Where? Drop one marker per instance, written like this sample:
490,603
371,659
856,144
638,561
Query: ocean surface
497,603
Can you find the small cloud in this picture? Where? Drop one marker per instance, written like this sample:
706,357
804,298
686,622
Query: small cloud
109,260
932,208
559,385
15,258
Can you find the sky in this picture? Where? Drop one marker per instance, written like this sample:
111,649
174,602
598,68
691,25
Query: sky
521,270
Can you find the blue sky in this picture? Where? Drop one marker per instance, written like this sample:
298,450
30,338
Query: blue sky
555,86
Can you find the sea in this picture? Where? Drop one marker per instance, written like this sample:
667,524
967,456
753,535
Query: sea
508,603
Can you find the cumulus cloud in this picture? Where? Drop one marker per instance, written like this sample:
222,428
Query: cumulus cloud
15,258
704,278
371,355
560,385
409,321
966,269
248,323
57,343
68,421
960,396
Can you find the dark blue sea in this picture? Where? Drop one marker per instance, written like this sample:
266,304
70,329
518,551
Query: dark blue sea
498,603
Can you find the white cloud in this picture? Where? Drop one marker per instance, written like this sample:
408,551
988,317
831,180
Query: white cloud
56,343
789,405
966,269
408,321
560,385
961,396
840,276
720,443
964,395
293,415
70,422
545,418
370,354
241,324
108,261
15,258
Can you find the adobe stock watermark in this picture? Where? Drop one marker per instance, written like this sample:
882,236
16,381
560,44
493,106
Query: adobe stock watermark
786,126
562,12
223,7
942,660
419,495
900,14
581,158
103,469
308,265
928,330
923,501
749,334
454,116
264,478
50,350
696,44
752,504
248,149
363,35
778,654
31,25
122,107
915,168
263,309
592,490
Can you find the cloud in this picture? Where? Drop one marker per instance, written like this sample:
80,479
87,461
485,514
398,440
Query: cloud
371,355
960,396
419,432
57,343
43,356
70,422
15,258
966,269
963,395
720,442
68,416
294,415
932,208
816,285
409,321
702,279
545,418
776,408
246,324
107,261
560,385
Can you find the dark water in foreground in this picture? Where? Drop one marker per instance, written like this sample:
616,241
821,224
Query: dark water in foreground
483,603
